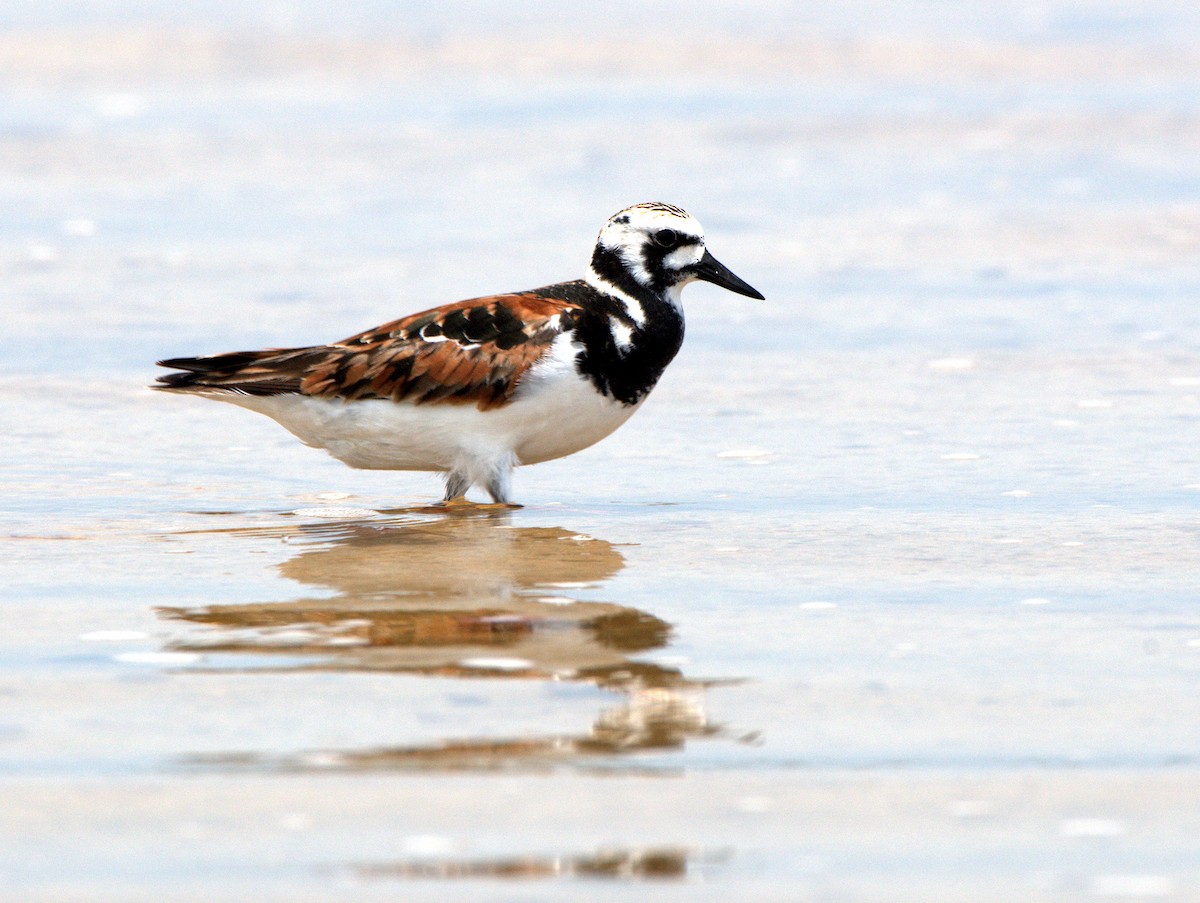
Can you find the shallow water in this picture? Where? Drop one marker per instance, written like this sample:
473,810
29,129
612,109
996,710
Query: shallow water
889,592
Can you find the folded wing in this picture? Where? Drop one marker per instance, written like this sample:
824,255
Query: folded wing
474,351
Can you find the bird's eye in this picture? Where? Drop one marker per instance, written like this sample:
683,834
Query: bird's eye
665,238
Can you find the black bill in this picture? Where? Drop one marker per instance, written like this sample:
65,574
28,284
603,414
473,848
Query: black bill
712,270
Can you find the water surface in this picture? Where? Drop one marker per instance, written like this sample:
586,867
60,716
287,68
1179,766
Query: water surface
889,592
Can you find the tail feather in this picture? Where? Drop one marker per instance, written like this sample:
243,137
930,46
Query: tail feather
276,371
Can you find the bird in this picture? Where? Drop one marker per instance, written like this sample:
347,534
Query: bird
475,388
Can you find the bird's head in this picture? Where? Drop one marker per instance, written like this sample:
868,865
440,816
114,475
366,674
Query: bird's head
659,247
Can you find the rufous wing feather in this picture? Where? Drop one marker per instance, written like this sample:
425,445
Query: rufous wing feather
474,351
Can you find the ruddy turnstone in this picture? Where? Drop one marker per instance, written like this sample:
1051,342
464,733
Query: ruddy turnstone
473,389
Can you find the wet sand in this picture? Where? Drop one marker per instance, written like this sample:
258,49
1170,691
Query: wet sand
889,592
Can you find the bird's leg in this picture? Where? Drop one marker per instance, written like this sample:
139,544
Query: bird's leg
499,484
457,484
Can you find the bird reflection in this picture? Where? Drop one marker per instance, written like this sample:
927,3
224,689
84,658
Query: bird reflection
462,595
667,863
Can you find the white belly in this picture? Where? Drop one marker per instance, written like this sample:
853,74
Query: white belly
556,414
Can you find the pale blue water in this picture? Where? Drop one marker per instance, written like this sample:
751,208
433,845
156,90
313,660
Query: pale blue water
888,593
